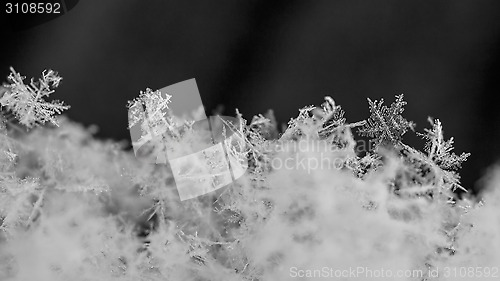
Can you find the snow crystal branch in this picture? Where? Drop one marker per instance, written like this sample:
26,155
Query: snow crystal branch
27,102
386,125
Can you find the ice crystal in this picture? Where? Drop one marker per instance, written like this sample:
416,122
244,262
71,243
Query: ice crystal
439,150
386,125
27,102
155,103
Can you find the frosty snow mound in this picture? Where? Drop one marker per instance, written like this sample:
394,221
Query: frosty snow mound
76,208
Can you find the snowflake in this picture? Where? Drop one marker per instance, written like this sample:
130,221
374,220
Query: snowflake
27,102
437,163
386,125
156,105
439,150
331,115
149,120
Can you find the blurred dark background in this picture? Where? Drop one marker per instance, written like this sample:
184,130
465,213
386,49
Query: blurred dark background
281,55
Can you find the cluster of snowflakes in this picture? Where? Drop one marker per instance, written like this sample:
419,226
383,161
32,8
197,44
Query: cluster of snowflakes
75,208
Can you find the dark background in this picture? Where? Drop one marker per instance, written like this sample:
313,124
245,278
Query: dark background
281,55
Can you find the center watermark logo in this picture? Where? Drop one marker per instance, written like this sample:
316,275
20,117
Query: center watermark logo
202,160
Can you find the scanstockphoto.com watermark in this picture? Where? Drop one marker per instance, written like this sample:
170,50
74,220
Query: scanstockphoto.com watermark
359,272
311,155
317,145
367,273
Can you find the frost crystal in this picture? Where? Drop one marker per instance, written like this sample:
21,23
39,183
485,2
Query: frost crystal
156,105
439,150
386,125
27,102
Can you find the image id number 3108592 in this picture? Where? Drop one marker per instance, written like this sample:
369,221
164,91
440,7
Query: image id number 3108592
32,8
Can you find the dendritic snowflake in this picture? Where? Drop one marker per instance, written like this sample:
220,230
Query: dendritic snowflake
437,164
155,104
439,150
386,125
27,102
319,122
